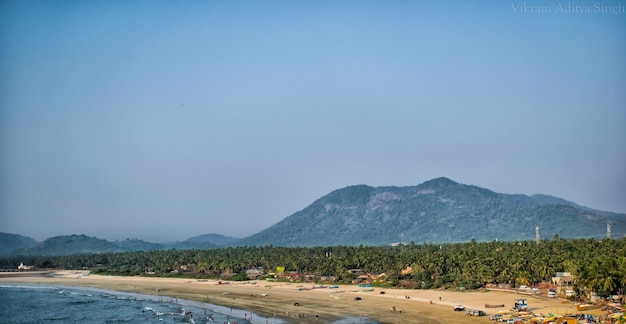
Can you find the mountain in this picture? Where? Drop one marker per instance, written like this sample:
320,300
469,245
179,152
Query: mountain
10,242
206,241
214,239
436,211
439,210
82,244
138,245
70,244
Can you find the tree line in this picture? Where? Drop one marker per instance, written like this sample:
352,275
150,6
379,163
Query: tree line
597,265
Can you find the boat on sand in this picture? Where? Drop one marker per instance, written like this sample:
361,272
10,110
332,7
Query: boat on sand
586,307
494,305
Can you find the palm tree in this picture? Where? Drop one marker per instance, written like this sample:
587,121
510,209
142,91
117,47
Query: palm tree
522,278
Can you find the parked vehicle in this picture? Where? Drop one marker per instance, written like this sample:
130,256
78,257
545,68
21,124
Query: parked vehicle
496,317
459,308
475,312
521,305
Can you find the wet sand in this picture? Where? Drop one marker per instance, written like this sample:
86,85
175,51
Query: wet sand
320,305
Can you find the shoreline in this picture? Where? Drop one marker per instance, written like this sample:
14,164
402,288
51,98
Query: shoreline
320,305
183,303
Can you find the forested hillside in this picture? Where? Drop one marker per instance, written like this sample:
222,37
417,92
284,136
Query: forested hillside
70,244
83,244
437,211
10,242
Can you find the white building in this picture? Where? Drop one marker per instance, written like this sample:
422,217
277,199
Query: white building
24,267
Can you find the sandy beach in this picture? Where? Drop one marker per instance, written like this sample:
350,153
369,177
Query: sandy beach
319,305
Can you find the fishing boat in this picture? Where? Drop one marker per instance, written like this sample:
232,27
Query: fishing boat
494,305
368,290
586,307
551,319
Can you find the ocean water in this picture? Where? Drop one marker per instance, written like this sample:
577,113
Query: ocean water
61,304
45,304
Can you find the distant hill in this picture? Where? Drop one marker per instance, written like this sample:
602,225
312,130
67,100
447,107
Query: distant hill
214,239
82,244
70,244
10,242
206,241
439,210
137,245
436,211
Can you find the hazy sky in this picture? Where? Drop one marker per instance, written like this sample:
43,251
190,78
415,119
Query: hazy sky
163,120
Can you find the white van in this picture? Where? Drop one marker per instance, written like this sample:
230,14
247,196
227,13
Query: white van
552,294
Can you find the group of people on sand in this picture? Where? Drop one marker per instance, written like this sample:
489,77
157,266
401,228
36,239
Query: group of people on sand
393,309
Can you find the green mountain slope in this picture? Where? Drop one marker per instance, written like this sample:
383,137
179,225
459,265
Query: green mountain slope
10,242
82,244
439,210
212,239
70,244
137,245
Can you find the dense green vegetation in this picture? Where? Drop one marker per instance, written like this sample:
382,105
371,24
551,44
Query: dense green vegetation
597,265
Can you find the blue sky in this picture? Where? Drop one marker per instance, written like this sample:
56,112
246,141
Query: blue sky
163,120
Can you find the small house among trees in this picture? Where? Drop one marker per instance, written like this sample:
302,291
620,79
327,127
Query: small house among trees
254,273
24,267
563,279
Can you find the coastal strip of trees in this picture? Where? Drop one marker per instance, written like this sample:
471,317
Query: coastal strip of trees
597,265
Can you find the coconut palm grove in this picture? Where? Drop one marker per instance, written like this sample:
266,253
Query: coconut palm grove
596,265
